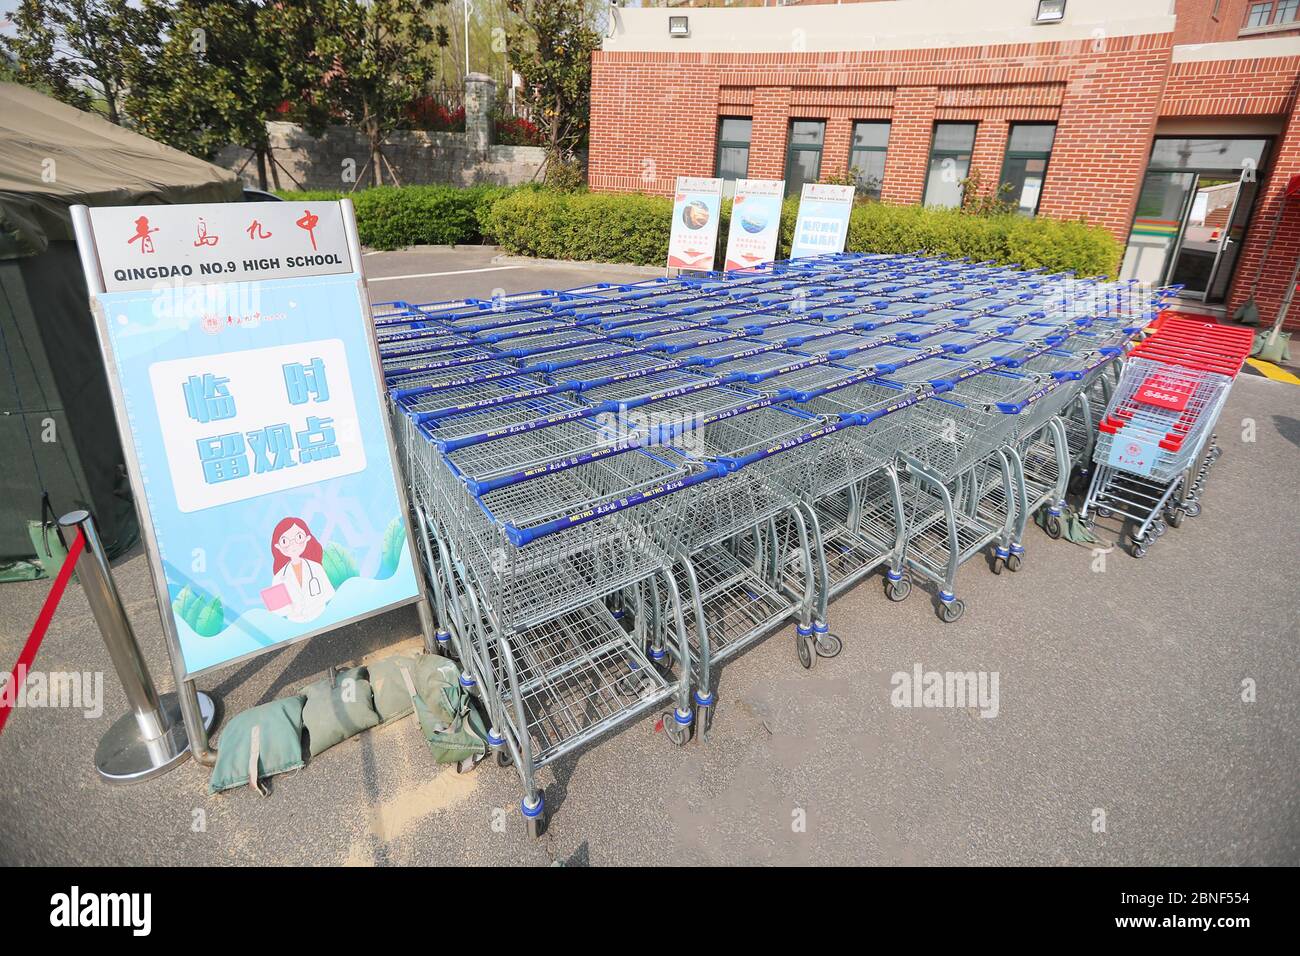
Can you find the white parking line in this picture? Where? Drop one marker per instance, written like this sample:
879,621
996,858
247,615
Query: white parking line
434,275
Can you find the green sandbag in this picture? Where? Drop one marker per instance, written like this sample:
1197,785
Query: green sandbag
333,714
259,743
391,699
427,670
1279,351
434,669
451,725
1072,527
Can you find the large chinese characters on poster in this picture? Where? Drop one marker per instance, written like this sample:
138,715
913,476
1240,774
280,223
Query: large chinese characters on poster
239,350
822,225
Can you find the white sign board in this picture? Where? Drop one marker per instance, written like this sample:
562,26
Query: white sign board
697,206
755,223
246,382
256,376
140,246
823,223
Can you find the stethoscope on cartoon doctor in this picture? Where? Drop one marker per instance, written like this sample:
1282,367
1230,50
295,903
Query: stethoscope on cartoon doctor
296,559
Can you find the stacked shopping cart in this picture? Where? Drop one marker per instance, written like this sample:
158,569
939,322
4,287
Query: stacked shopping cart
1156,442
620,486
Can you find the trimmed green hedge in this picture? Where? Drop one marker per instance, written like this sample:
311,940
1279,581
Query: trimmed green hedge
629,227
634,228
1037,242
389,217
605,227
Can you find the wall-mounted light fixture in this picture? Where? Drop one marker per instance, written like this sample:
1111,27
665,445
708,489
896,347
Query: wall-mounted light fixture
679,27
1050,11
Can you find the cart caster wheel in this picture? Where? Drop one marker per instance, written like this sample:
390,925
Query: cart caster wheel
1053,527
1138,550
503,758
679,734
535,819
996,565
1159,528
1103,512
828,645
951,611
804,645
1175,519
1014,561
1193,509
898,590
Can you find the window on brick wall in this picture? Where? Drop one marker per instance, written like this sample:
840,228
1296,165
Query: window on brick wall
867,156
1029,147
734,134
1273,13
950,153
803,162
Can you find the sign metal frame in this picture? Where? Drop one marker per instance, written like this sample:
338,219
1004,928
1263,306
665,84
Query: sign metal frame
185,680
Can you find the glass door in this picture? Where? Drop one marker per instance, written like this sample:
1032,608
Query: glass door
1234,231
1193,211
1211,236
1162,209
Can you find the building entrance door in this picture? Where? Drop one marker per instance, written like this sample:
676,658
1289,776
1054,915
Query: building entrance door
1192,212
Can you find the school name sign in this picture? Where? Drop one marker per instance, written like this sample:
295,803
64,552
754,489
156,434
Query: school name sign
240,350
224,242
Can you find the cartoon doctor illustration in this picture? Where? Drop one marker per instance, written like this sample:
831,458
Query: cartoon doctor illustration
300,588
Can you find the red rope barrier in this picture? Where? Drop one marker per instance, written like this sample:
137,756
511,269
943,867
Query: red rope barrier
28,656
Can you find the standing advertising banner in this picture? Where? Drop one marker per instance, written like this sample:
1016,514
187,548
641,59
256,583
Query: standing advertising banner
823,223
237,339
697,206
755,223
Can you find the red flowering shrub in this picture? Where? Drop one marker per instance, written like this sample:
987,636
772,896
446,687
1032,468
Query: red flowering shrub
428,114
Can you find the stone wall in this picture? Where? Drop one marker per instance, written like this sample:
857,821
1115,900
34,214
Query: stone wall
336,159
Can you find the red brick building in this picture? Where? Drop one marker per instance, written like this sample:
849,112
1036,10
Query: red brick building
1145,117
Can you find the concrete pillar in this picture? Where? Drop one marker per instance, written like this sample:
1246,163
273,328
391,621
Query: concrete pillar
480,95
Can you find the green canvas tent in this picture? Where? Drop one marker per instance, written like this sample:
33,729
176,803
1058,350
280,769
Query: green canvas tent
58,436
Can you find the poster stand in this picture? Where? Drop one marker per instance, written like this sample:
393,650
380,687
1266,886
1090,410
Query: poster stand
196,710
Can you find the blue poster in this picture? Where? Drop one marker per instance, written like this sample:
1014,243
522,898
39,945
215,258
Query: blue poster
260,440
1137,456
823,223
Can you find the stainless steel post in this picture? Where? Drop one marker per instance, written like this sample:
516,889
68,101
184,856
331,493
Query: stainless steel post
151,738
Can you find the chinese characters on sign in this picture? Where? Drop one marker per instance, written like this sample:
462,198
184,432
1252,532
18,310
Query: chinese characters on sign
823,223
1134,455
693,242
247,389
1164,392
250,422
219,243
226,456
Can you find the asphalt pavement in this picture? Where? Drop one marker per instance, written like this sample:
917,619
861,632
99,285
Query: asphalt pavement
1125,732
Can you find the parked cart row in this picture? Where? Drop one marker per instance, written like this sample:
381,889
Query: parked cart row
1155,443
622,485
